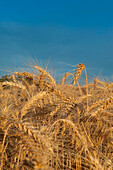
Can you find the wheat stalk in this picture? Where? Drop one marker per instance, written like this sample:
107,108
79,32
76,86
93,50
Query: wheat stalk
65,76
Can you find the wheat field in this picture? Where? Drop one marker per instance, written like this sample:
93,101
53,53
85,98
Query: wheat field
50,126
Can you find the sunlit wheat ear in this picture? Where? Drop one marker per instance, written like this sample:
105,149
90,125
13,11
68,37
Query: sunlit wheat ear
38,144
62,105
78,72
107,103
28,75
51,79
14,78
57,109
26,83
65,76
71,124
34,133
24,74
82,98
33,148
96,104
31,102
18,85
41,80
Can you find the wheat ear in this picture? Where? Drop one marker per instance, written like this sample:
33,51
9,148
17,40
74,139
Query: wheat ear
29,75
26,83
78,72
31,102
19,85
46,74
41,81
14,78
106,104
24,74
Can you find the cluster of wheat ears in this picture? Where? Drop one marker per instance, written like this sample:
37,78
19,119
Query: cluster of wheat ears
45,126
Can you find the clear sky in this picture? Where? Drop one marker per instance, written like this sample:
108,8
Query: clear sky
70,31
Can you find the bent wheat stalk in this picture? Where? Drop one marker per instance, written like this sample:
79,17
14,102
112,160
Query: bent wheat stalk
100,82
65,76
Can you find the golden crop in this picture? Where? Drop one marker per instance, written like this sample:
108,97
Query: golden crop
45,126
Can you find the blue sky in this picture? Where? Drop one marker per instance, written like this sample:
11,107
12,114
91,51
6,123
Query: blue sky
69,31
